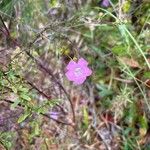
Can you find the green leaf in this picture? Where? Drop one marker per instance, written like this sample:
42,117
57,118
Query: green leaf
143,122
126,6
85,117
53,3
119,50
37,129
41,109
14,89
131,115
15,104
25,97
143,125
23,117
23,89
122,29
147,74
104,91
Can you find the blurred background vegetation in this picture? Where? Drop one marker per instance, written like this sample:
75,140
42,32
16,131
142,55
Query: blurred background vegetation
40,109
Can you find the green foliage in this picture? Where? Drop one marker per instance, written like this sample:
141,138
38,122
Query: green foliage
103,36
24,116
45,106
85,118
120,50
53,3
36,131
147,74
127,6
6,139
104,91
7,6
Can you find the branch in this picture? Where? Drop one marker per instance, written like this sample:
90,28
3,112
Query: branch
45,115
39,63
41,92
8,33
36,88
49,71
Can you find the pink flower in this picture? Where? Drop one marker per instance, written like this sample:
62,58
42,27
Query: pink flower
54,115
78,71
104,3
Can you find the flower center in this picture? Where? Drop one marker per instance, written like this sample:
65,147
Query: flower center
78,72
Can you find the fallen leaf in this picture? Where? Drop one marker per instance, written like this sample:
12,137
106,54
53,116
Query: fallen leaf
130,62
147,82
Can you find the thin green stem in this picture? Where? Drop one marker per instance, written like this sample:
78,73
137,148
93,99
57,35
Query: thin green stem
138,47
128,72
130,35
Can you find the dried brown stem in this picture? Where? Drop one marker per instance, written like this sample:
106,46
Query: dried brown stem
45,115
36,88
39,63
6,29
49,71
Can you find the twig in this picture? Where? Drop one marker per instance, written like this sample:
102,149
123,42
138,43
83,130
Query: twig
8,33
36,88
41,92
49,71
45,115
124,80
105,143
39,63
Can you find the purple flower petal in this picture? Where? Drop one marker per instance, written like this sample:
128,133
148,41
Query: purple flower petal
70,75
82,62
78,72
79,81
105,3
54,115
88,71
72,64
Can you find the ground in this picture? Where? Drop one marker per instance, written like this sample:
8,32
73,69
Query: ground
50,99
